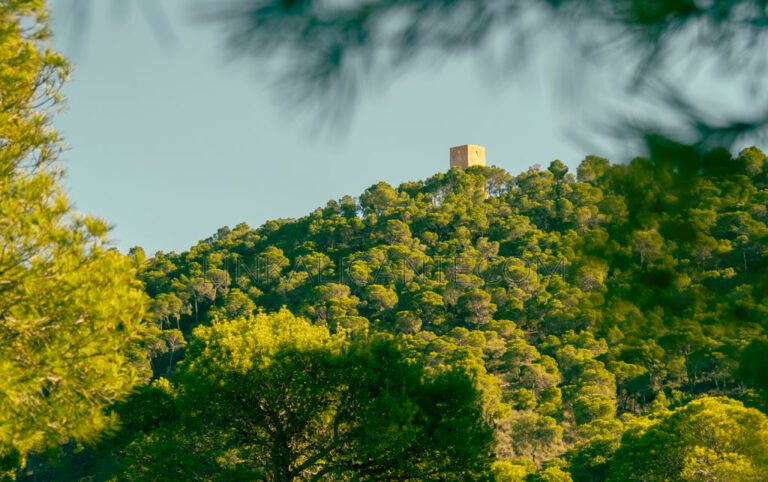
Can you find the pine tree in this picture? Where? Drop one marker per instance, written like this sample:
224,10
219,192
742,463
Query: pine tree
70,307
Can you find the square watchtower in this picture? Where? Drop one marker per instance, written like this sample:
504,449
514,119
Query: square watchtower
467,155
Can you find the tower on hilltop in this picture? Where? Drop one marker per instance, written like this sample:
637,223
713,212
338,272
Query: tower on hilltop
467,155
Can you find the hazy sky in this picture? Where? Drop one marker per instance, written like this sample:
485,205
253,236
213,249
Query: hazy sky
169,140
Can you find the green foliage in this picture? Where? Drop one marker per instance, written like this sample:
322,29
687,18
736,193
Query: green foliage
708,439
590,460
512,470
278,397
580,309
475,325
753,368
70,306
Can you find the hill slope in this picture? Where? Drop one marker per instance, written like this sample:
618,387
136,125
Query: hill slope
584,308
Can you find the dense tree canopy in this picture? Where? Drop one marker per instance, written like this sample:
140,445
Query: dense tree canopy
591,315
708,439
607,325
276,397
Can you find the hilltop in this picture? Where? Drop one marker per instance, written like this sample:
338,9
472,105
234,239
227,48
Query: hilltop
584,307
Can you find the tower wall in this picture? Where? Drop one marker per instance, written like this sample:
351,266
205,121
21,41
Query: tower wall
467,155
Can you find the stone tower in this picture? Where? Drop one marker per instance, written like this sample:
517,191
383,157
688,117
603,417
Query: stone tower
467,155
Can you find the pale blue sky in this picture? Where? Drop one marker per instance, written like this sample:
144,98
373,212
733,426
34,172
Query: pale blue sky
170,141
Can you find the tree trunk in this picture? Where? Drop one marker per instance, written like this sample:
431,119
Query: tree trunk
170,361
281,460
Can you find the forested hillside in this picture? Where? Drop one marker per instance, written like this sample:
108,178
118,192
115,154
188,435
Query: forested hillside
603,325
